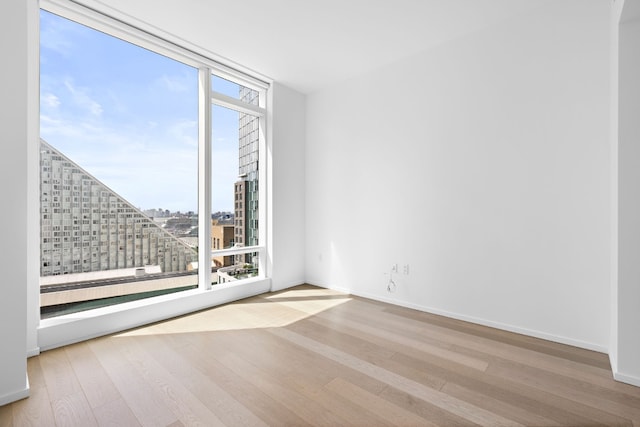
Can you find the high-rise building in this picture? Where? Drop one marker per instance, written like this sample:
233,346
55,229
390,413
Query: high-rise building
85,226
221,238
246,188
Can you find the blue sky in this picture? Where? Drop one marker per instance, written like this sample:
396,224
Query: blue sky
129,117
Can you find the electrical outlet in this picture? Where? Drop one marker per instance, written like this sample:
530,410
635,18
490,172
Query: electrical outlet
405,269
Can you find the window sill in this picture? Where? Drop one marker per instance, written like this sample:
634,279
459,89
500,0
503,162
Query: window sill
72,328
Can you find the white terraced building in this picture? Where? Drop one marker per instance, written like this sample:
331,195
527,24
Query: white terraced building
88,227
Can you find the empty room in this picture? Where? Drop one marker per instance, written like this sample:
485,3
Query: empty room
333,213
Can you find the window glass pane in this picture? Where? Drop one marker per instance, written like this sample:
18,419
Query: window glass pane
234,90
118,170
234,171
241,267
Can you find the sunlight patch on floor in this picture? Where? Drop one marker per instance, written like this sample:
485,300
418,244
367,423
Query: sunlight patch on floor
262,311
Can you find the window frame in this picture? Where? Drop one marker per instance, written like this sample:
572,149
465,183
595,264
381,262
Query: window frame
66,329
207,99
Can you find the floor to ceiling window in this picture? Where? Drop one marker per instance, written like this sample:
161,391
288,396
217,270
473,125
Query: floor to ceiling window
130,208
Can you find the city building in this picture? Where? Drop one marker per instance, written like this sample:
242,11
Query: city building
246,188
86,227
221,238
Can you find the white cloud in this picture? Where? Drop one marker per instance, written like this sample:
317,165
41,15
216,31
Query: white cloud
53,37
116,103
50,100
82,98
185,132
177,84
51,127
58,34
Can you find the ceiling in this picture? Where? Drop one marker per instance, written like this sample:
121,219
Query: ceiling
309,44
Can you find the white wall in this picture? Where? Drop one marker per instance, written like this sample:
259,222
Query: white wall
33,177
483,165
287,192
616,11
626,353
13,187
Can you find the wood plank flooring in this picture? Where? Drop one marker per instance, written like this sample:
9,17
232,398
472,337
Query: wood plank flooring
310,356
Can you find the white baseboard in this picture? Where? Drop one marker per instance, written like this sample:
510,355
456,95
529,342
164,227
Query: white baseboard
16,395
275,287
624,378
33,352
479,321
629,379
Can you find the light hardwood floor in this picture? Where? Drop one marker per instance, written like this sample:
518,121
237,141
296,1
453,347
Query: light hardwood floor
309,356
